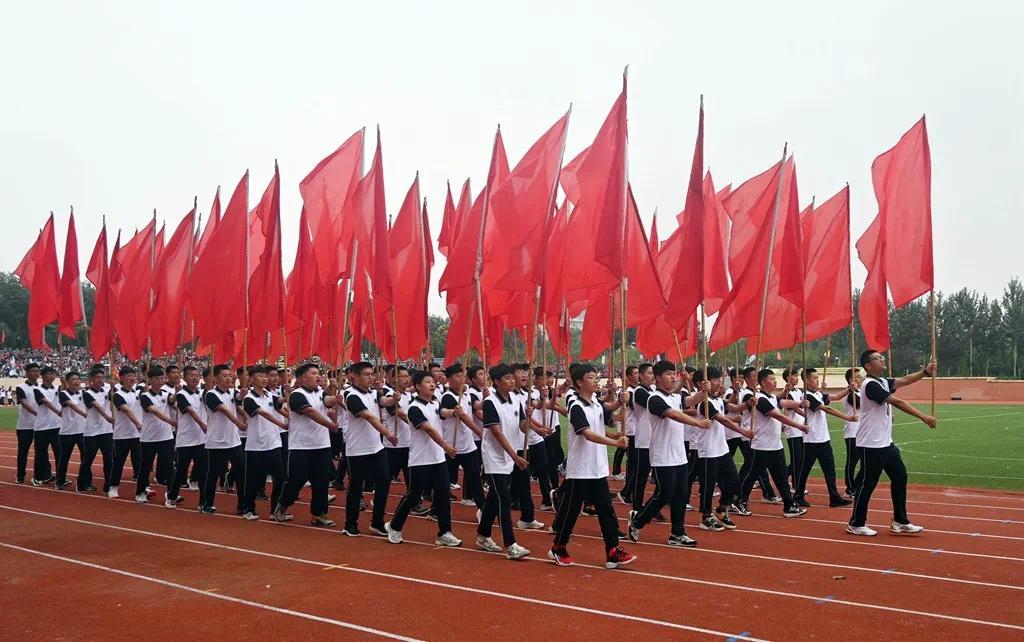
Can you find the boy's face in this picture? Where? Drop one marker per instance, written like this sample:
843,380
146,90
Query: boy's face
259,380
811,381
225,378
716,385
480,380
588,384
876,365
768,383
157,381
522,378
647,377
128,380
73,383
48,378
192,379
633,377
457,380
273,379
174,378
402,380
426,387
97,380
667,380
506,383
32,374
751,380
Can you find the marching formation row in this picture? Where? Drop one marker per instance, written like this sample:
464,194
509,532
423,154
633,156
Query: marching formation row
222,429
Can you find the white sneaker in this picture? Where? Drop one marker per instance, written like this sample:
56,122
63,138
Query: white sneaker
467,502
454,486
270,479
395,537
447,539
487,544
905,529
251,516
861,530
112,493
479,514
193,485
170,504
516,552
534,525
141,499
619,477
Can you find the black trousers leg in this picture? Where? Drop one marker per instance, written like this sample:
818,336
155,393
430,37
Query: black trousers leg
319,480
498,506
796,463
89,448
555,457
539,467
572,496
133,455
520,489
667,487
419,478
728,481
103,444
896,471
296,476
123,449
854,476
66,445
599,497
709,477
442,504
471,486
45,441
620,454
25,441
776,464
381,485
643,471
873,461
148,451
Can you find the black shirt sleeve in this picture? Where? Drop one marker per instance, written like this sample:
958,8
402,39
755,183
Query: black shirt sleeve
578,419
355,405
212,401
416,417
712,410
449,402
765,406
297,402
250,406
657,406
608,415
814,404
640,398
147,402
278,402
875,392
491,416
181,402
63,398
119,400
20,394
87,399
40,397
853,399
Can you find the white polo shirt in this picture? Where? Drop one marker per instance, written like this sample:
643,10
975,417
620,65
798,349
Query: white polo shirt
154,428
26,392
263,433
742,398
303,432
126,400
586,459
632,416
220,432
852,402
538,414
71,423
424,451
507,413
476,396
713,444
668,437
875,429
189,432
796,394
767,430
361,438
395,423
452,425
94,401
279,395
46,419
642,438
522,397
817,422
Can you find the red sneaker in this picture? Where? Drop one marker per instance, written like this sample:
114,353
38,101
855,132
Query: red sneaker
618,557
560,556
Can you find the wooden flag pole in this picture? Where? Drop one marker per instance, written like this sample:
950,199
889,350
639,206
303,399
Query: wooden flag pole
828,355
536,339
931,306
348,294
479,265
704,341
623,293
767,274
398,393
611,344
679,350
469,331
803,355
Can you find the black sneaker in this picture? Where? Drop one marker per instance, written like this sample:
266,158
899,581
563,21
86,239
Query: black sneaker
208,510
62,485
20,480
683,540
794,511
322,520
660,518
722,515
50,479
589,510
631,530
803,503
419,511
742,508
709,523
88,489
836,502
351,531
261,496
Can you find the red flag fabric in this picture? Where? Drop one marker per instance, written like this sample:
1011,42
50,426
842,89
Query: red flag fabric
266,280
902,178
655,243
211,225
131,272
170,289
408,259
302,285
101,334
217,297
39,274
873,306
449,223
827,287
70,293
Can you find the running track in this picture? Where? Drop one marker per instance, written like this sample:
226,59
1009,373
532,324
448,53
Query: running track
82,566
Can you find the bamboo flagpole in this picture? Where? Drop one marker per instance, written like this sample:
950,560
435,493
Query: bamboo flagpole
767,274
828,355
348,294
624,280
704,342
244,379
931,306
152,268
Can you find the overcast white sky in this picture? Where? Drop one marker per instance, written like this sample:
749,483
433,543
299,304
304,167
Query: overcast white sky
120,107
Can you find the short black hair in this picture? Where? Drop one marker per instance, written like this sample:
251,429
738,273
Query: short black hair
849,374
48,370
282,371
400,369
189,368
155,371
521,367
499,371
304,368
714,372
473,371
865,357
32,366
255,370
172,368
789,372
690,369
126,370
579,370
435,365
97,370
72,373
731,372
749,370
357,367
390,369
631,369
764,373
806,372
219,368
420,375
662,367
207,371
644,366
453,369
539,371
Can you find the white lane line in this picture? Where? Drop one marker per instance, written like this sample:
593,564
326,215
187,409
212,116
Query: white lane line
217,596
714,584
391,576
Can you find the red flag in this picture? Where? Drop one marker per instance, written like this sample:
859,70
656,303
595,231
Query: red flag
170,289
408,259
217,297
70,294
211,225
266,280
826,237
655,244
101,335
902,178
302,281
873,307
131,271
39,274
448,224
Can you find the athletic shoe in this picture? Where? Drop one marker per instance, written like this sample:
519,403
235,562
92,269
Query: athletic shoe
534,525
239,511
261,496
709,523
142,498
554,496
479,513
322,520
771,500
560,556
660,518
447,539
20,480
849,494
631,530
169,504
628,501
394,537
717,493
382,531
251,516
467,502
589,510
330,498
454,487
861,530
547,508
150,492
689,507
306,485
193,485
270,478
683,540
619,557
351,531
431,514
803,503
419,511
905,529
743,509
794,511
112,493
487,544
37,483
208,510
516,552
836,502
619,477
50,479
723,518
280,516
486,487
63,485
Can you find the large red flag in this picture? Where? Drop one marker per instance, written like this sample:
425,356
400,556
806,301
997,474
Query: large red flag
449,223
39,274
211,225
873,307
655,243
217,297
101,334
170,289
408,259
826,237
266,279
70,294
902,178
131,272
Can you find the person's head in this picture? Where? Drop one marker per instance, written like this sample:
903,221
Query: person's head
173,375
157,377
128,376
258,377
438,374
854,374
873,362
522,373
48,373
273,379
810,376
791,376
191,376
223,377
72,381
714,379
424,384
665,375
750,376
503,378
645,374
308,375
32,372
632,375
389,374
208,379
735,378
766,379
402,379
477,376
541,377
97,377
455,375
285,375
361,375
685,374
584,378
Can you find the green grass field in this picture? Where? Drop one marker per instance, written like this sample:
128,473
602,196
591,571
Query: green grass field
974,445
